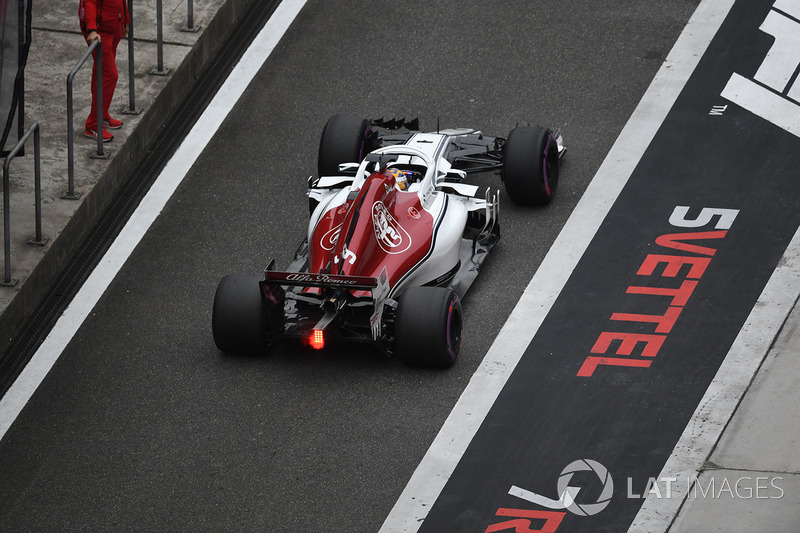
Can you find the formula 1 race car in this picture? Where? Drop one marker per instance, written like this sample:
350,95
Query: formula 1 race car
395,238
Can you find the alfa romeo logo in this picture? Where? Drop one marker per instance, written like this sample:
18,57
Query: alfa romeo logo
390,234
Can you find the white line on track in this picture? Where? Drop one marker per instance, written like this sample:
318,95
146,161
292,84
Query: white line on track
151,206
448,447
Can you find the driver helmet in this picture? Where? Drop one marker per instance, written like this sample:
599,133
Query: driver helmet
401,177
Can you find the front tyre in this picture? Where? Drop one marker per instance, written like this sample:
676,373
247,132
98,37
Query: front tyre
343,140
240,316
428,327
530,165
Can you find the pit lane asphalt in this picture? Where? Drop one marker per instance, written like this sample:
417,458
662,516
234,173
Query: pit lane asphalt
143,425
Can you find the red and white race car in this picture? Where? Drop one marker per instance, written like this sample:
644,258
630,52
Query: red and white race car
395,238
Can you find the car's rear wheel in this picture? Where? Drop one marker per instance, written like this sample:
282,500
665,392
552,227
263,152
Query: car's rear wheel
428,327
344,140
530,165
241,319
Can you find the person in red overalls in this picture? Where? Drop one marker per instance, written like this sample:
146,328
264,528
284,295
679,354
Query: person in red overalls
106,20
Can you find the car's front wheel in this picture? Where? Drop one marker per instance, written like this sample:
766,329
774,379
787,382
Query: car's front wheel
428,327
343,140
530,165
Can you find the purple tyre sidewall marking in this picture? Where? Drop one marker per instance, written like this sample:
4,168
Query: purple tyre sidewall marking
544,165
451,308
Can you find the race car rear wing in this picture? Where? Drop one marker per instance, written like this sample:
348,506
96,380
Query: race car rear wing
274,281
305,279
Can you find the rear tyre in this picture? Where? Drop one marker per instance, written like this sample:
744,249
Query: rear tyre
530,165
240,317
428,327
344,140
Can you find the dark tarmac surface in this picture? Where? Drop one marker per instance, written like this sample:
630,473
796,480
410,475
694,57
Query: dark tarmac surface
142,424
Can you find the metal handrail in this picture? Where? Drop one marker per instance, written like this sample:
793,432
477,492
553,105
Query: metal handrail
132,109
159,69
70,194
190,27
37,240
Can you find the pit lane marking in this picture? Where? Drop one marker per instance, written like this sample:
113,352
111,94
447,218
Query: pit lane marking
448,447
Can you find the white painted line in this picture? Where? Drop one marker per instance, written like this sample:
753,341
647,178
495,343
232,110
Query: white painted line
151,206
725,392
566,499
449,446
763,102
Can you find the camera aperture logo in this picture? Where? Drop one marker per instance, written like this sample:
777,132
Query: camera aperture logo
568,493
582,465
576,477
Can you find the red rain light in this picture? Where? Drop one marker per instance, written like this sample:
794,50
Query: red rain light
317,339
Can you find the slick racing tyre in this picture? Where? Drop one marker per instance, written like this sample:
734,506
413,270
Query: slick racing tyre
530,165
241,319
428,327
343,140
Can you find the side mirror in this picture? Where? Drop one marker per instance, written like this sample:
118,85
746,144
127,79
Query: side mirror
455,175
349,169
